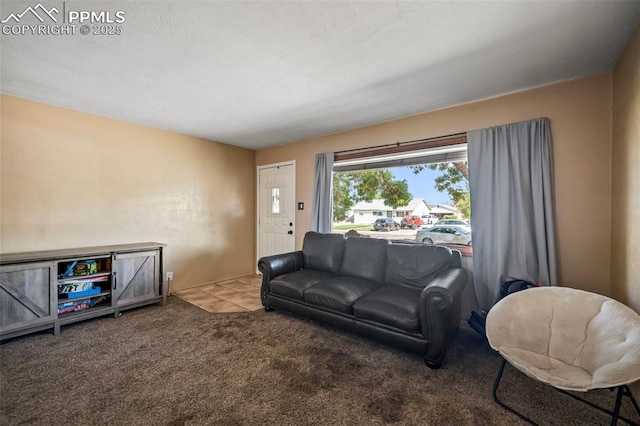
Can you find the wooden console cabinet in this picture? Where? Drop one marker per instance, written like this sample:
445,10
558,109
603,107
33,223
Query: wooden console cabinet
47,289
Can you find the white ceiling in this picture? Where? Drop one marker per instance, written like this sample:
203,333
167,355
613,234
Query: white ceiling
256,74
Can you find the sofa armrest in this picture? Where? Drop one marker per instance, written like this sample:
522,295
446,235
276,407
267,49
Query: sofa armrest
279,264
456,259
440,312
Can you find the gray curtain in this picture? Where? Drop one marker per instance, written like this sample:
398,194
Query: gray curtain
512,214
322,209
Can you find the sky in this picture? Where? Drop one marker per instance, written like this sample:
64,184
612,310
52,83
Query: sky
421,185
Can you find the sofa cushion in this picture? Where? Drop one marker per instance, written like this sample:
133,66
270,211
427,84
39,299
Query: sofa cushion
415,264
339,293
295,283
323,252
365,258
392,305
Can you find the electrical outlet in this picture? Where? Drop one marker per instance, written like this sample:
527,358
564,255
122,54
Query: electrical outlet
169,276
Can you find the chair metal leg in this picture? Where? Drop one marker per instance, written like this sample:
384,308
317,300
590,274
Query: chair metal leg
623,390
628,393
616,409
500,403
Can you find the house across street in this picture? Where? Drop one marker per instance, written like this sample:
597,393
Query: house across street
366,213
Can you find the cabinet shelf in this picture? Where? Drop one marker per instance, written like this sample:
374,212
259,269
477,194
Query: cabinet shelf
101,276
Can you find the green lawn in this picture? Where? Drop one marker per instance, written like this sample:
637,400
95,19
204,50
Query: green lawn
351,226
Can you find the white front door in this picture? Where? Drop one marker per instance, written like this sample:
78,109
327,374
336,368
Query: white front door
276,209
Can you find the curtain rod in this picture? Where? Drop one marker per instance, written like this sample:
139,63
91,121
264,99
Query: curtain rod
400,143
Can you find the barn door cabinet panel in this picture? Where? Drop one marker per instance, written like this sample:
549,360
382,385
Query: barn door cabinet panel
137,278
47,289
27,302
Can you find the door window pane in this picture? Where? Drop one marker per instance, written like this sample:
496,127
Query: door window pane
275,200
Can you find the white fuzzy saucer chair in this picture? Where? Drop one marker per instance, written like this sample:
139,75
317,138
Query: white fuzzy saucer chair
570,339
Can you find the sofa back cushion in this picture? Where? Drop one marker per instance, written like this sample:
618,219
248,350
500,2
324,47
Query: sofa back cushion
365,258
415,264
323,252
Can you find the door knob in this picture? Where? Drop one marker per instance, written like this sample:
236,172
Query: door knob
290,232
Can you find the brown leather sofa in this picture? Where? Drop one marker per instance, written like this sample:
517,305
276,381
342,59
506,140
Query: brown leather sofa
406,295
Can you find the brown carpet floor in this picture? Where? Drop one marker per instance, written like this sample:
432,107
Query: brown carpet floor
178,364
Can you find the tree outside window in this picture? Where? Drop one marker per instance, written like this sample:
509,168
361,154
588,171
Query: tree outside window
350,188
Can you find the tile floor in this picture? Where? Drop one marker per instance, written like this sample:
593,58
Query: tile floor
235,295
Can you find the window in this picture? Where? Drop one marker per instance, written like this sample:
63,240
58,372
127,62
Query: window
431,158
275,200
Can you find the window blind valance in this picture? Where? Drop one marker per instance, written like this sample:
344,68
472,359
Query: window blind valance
438,154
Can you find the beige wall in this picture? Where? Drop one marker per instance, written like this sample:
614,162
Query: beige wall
625,223
580,113
71,179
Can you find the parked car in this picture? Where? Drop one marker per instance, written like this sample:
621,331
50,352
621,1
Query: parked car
454,222
427,219
444,235
412,222
385,224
